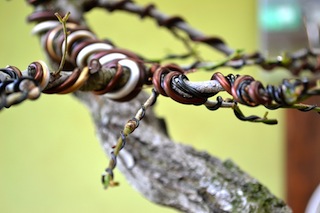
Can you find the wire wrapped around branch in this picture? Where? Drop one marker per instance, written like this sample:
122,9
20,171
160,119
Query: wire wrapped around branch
15,87
170,80
295,62
84,49
108,176
304,59
97,65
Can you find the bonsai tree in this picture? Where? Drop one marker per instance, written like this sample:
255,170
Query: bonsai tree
112,82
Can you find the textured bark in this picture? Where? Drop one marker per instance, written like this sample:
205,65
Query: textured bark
173,174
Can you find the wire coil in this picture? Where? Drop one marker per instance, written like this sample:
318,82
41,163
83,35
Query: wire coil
84,48
170,80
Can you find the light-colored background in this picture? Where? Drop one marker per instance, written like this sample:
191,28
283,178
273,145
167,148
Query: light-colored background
50,159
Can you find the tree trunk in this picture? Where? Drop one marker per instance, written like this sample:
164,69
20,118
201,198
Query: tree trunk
172,174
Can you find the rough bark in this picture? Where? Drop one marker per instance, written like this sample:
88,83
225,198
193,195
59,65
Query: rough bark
173,174
166,172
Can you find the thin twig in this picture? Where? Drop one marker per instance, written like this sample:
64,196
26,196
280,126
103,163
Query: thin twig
63,20
130,126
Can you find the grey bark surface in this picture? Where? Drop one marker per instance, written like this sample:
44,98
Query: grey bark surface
166,172
173,174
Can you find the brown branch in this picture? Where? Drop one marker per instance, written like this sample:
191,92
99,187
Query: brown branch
162,19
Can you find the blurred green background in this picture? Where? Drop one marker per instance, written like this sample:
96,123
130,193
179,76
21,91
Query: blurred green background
50,159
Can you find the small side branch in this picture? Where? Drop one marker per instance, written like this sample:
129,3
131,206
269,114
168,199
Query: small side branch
170,22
